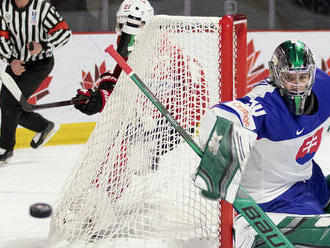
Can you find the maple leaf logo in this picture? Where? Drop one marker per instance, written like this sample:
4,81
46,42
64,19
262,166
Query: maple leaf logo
255,74
325,66
41,92
88,82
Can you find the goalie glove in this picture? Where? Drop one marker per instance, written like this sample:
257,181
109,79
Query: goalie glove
96,100
224,159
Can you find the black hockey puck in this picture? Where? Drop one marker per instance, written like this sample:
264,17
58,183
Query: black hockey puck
40,210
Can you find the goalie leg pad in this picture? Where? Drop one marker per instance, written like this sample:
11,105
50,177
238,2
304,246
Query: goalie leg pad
244,234
224,159
302,230
327,207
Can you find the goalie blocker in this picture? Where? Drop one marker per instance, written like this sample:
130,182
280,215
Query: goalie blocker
224,159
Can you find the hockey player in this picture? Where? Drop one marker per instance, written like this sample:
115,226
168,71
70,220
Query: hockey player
128,11
289,112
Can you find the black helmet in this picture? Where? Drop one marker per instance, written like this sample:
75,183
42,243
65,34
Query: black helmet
292,70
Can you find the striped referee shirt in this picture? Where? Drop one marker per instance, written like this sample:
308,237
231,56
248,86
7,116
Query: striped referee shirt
38,21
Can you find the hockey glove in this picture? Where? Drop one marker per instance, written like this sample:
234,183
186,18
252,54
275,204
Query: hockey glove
96,99
108,82
95,103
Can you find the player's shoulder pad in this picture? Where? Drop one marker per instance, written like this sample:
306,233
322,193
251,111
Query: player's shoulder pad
322,74
322,80
252,105
261,89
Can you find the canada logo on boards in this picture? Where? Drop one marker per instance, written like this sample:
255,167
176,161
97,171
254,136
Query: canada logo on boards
88,80
41,92
309,147
326,66
255,74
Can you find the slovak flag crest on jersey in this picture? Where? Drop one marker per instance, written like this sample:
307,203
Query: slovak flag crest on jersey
309,147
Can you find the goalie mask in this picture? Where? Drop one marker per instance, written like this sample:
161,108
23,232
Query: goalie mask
127,7
292,70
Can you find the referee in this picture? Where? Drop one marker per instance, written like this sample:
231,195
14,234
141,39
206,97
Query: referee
29,32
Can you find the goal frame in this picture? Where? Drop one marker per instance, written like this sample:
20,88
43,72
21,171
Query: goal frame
232,68
234,86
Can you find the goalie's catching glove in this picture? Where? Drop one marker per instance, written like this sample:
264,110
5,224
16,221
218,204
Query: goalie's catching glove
95,100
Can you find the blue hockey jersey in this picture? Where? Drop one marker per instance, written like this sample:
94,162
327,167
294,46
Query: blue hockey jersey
286,143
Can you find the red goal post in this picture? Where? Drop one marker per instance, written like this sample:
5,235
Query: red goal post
234,85
233,56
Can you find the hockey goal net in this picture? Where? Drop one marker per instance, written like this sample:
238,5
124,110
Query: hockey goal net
132,185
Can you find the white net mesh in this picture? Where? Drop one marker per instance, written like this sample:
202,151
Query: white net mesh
133,179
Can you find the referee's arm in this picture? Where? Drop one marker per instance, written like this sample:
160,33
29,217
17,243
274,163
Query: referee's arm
5,44
57,29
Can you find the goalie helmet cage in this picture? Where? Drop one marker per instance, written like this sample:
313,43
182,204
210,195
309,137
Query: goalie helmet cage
132,184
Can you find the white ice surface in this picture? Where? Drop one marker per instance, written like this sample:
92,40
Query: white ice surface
37,176
31,176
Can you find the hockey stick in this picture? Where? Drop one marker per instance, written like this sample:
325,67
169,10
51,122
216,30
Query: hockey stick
249,209
58,104
11,85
